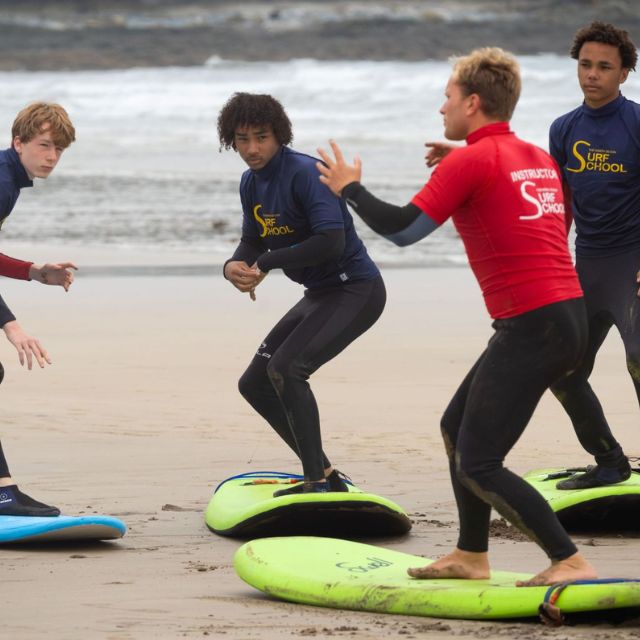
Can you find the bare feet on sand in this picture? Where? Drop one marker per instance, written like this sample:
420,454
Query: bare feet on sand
465,565
575,567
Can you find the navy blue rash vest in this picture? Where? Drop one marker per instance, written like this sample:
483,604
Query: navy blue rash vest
13,177
598,151
284,203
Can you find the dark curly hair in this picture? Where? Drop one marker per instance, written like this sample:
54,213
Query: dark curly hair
607,33
252,110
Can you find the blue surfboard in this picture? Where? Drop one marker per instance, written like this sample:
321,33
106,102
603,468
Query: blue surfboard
15,529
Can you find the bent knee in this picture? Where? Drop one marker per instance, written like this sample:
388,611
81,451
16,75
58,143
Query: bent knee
250,382
473,472
279,370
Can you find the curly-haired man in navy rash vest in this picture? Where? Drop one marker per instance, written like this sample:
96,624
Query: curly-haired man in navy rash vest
40,134
597,147
294,223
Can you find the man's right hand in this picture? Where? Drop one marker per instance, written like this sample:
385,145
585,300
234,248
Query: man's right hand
242,276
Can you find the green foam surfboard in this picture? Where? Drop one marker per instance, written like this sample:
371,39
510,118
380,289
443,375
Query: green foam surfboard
349,575
614,507
243,506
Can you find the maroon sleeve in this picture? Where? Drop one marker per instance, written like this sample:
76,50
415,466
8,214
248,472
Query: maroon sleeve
13,268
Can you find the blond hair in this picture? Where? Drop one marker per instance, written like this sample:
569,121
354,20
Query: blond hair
37,117
494,75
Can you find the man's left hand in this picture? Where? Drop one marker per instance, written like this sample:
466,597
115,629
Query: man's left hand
58,274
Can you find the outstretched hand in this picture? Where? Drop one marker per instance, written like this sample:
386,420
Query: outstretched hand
56,274
26,346
336,173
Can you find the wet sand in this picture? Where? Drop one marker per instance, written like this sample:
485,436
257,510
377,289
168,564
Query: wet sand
139,417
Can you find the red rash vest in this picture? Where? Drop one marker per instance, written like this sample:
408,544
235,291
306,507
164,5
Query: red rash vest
504,196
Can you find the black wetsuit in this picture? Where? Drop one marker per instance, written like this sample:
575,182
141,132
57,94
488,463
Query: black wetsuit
291,221
516,243
598,151
489,412
611,297
13,178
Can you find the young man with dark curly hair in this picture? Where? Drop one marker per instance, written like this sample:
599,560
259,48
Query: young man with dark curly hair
597,147
39,135
294,223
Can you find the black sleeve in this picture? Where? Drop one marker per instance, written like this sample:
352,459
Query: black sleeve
5,313
247,251
324,246
384,218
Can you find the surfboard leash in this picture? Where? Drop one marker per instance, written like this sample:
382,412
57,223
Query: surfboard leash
272,475
550,614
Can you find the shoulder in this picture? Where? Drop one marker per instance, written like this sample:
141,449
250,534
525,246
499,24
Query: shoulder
245,179
299,162
5,165
631,108
565,121
480,152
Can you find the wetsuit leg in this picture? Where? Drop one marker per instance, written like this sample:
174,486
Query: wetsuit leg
4,467
491,410
609,299
255,385
625,305
314,331
333,319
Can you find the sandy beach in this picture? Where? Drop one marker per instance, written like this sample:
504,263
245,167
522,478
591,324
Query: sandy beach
139,417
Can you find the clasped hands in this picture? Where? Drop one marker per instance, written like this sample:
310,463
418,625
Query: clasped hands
243,277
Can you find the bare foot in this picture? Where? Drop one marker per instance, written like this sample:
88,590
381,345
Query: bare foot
465,565
574,567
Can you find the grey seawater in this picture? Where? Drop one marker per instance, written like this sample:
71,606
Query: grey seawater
146,171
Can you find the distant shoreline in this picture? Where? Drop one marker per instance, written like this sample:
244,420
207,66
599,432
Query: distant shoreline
117,34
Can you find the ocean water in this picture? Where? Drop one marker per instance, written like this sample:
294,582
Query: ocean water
146,171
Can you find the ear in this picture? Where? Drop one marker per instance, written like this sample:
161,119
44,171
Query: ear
624,75
474,104
17,144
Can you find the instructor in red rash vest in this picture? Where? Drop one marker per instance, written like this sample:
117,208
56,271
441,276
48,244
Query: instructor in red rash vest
505,199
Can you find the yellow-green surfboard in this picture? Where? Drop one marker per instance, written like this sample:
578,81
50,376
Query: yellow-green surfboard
615,507
342,574
243,506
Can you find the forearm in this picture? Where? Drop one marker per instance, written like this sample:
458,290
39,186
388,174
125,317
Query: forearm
401,225
325,246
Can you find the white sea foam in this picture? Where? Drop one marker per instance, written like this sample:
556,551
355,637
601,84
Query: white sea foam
146,171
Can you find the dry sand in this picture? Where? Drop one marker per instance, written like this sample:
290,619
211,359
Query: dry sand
140,410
